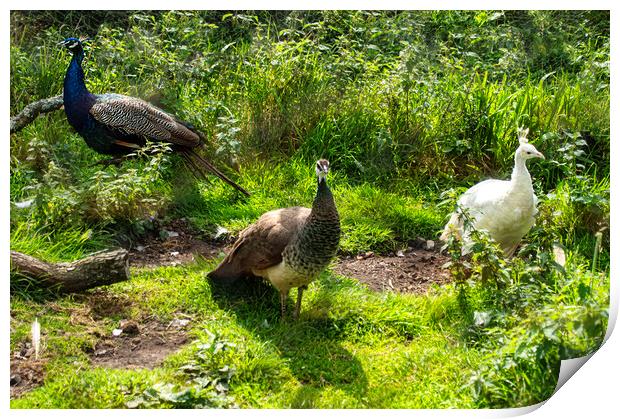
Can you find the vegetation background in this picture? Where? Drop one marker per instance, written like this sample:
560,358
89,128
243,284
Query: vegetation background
411,108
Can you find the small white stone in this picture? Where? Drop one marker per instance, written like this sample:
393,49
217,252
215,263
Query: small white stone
140,248
175,254
117,332
558,255
179,323
24,204
171,234
430,245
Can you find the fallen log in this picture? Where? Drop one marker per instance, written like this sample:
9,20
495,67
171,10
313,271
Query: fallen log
31,111
100,268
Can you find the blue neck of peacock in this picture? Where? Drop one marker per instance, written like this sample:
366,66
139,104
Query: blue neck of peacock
76,97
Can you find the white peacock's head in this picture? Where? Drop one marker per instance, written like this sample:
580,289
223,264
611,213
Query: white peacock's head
528,151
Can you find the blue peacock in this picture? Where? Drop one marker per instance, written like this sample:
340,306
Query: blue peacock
118,125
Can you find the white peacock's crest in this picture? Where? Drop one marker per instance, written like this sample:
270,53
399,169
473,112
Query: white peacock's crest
522,134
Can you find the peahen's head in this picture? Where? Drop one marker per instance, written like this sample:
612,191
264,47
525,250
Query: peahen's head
74,45
322,168
526,150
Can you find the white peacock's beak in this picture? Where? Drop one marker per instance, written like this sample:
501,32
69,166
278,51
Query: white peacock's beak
541,155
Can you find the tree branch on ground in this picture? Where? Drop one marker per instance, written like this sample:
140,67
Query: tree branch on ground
33,110
101,268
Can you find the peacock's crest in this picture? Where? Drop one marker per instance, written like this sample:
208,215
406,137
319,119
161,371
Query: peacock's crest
522,134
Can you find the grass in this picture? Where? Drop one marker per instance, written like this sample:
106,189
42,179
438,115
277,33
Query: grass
371,217
351,348
407,106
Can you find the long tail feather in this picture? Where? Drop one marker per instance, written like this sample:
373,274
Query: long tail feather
198,162
194,169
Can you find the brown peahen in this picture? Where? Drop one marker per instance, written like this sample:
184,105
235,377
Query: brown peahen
290,247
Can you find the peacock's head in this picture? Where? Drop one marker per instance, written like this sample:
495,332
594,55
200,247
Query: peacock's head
322,168
74,45
526,150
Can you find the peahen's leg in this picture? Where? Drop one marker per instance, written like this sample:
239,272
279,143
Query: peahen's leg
283,295
300,292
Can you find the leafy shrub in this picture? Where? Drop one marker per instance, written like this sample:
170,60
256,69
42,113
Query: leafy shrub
206,381
121,195
534,311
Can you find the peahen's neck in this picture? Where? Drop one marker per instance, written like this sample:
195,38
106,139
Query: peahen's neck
317,241
323,205
76,97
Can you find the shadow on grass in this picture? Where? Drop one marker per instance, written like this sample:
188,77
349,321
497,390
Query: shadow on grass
311,345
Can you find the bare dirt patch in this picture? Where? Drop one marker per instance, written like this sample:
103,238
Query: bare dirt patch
413,271
140,345
27,372
178,244
103,304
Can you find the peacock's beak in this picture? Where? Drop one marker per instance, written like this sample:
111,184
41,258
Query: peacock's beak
541,155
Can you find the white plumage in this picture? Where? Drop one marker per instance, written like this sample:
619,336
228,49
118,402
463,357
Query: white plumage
506,209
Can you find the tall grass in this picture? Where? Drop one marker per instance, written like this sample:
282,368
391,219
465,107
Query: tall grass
353,92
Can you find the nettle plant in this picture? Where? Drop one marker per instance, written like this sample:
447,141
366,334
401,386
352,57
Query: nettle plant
131,193
228,142
532,311
121,194
578,205
547,315
459,268
205,380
